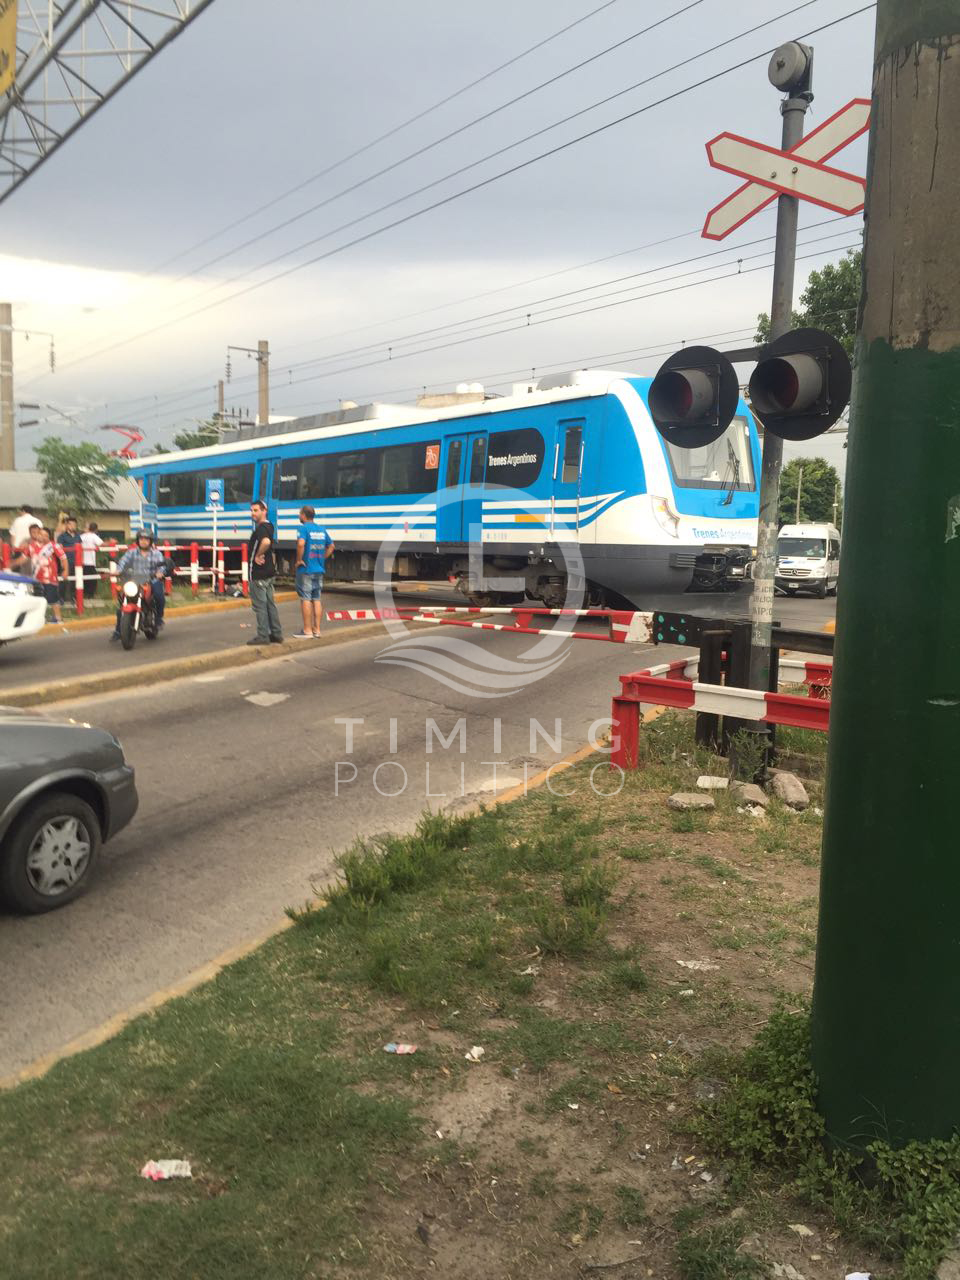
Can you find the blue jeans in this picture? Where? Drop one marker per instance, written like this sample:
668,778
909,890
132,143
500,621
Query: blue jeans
265,609
309,585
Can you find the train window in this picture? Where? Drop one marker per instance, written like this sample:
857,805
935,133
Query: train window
726,464
571,455
350,478
178,489
286,479
237,483
478,458
314,478
515,458
454,454
262,484
403,468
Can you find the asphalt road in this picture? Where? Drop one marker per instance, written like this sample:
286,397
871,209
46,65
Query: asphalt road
58,655
249,789
242,812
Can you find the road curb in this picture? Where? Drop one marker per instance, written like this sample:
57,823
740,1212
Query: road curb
176,611
207,972
37,695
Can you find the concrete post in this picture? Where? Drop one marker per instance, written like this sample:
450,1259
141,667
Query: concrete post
886,1013
263,380
7,426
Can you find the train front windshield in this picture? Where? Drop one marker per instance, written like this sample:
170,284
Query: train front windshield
725,464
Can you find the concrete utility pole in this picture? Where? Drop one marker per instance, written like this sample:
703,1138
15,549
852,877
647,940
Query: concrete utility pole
791,70
263,380
7,427
219,413
886,1018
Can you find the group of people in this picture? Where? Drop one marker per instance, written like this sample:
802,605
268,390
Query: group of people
314,549
39,551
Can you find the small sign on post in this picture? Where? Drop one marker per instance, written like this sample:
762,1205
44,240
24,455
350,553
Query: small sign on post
214,504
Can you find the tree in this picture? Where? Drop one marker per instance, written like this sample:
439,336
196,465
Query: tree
829,301
819,487
205,434
77,477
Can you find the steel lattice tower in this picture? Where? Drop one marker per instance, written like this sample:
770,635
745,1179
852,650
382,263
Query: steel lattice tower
71,58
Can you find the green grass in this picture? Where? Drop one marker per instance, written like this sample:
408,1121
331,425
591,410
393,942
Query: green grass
521,930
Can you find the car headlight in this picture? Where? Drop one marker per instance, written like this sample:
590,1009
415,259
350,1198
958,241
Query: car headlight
130,589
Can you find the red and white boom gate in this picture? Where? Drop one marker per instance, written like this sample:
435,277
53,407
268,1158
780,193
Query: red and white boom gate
671,684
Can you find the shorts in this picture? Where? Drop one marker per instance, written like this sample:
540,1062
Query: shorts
51,592
309,585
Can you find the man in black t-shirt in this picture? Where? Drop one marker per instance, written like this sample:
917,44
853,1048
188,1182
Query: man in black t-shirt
69,539
262,574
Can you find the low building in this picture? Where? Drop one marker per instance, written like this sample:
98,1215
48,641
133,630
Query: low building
18,487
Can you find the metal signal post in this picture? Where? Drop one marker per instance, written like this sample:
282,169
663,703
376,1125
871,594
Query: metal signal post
791,70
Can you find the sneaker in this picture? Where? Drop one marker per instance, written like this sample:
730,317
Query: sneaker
114,636
316,635
301,635
276,639
257,640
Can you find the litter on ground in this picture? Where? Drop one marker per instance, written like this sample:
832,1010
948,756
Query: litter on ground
160,1170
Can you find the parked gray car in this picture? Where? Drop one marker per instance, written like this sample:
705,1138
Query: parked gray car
64,789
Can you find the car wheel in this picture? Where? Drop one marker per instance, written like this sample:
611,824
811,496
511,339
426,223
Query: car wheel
49,854
821,592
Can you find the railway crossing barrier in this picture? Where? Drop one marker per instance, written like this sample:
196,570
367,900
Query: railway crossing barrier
712,685
219,575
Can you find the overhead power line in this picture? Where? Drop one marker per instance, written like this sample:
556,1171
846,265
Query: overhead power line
521,327
390,133
453,133
526,308
368,235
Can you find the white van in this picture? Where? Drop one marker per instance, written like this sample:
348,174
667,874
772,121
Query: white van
808,559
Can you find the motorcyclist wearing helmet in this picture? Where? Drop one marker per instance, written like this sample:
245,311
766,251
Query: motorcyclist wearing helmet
142,563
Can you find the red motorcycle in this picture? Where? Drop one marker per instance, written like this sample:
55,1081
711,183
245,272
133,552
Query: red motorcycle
138,612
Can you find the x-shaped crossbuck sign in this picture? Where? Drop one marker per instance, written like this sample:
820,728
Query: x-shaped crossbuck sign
798,172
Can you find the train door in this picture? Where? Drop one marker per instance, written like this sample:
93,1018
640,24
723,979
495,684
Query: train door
268,485
567,470
460,502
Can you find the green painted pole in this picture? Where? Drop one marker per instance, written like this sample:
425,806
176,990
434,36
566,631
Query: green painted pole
886,1008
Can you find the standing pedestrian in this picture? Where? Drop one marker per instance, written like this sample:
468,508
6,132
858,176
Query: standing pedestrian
262,573
21,526
92,542
48,565
69,539
314,548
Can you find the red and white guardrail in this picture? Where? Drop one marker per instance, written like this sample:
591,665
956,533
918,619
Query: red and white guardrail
623,625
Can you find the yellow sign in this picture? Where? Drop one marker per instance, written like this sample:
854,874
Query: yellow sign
8,43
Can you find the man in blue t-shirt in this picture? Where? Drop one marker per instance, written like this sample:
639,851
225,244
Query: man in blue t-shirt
314,548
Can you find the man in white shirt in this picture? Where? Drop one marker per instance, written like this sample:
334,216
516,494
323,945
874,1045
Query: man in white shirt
91,544
20,528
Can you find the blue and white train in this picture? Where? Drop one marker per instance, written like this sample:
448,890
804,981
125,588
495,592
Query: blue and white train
565,477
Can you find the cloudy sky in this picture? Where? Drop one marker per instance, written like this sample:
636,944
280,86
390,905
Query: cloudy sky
153,239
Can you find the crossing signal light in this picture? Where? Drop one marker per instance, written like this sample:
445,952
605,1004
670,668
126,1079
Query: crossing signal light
694,396
801,386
